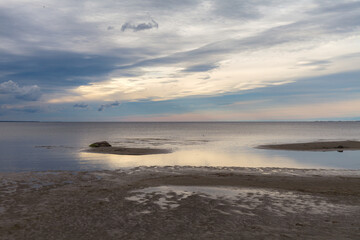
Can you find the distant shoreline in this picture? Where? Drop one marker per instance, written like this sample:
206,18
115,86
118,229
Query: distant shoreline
19,121
40,121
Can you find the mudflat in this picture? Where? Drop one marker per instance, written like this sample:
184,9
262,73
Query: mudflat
315,146
181,203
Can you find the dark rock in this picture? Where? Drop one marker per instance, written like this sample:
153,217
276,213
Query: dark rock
340,150
100,144
340,146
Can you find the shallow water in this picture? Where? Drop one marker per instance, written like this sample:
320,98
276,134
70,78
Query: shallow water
59,146
244,199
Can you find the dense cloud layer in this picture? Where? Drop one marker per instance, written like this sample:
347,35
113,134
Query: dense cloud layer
104,51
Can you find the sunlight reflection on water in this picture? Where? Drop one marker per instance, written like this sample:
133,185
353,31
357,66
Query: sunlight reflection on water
195,158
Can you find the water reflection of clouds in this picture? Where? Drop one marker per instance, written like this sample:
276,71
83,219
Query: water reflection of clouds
194,158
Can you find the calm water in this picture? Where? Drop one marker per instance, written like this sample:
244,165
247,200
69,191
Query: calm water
59,146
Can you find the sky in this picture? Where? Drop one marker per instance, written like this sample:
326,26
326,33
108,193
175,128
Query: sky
189,60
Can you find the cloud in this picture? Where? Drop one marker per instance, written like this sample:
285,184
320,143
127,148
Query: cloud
244,10
311,30
313,111
63,68
315,64
18,108
319,90
337,7
26,93
104,106
76,50
201,68
80,105
139,27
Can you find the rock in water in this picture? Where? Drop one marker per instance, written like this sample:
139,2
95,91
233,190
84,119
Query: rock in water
100,144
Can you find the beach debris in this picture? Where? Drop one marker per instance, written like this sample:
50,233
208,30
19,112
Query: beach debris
100,144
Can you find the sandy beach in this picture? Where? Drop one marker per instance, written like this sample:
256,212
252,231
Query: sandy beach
181,203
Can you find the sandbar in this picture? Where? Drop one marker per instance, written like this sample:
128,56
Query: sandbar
315,146
128,151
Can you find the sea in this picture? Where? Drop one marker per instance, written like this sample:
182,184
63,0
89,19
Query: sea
39,146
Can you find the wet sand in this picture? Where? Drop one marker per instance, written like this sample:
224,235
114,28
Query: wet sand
128,151
315,146
181,203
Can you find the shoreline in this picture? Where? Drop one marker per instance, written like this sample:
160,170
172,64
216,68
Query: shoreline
192,202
